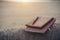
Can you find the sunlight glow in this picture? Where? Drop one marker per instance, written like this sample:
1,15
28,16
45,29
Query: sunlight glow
29,0
23,0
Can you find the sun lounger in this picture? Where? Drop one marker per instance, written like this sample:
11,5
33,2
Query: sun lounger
40,25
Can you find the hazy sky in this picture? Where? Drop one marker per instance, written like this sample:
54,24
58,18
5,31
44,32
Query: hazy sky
30,0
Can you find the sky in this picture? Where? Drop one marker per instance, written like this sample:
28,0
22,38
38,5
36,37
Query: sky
30,0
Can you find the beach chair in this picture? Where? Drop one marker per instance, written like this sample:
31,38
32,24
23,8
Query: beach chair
40,24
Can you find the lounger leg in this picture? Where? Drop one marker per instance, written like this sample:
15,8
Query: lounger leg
49,29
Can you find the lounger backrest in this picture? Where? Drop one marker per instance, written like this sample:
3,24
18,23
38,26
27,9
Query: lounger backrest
39,22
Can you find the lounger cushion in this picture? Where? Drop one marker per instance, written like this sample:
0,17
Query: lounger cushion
39,22
43,30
